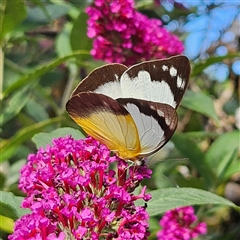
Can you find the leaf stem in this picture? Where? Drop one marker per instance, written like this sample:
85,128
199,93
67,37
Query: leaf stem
1,71
69,87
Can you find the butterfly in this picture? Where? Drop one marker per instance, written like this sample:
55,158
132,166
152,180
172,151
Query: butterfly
131,110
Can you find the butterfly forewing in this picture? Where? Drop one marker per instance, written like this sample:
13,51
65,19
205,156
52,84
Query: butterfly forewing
156,122
104,80
163,81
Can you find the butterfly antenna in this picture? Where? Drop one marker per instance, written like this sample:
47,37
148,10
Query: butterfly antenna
173,182
152,162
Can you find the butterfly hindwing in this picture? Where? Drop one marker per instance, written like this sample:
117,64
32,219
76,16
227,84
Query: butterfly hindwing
107,121
156,122
163,81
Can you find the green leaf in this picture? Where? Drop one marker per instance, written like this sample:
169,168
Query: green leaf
12,14
223,152
189,149
14,172
9,147
225,172
170,198
199,67
3,176
3,4
199,102
10,206
153,228
39,71
14,105
62,44
200,134
46,13
36,110
78,37
6,225
43,139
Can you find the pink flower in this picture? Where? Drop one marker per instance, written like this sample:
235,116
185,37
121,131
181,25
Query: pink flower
35,226
71,189
123,35
180,224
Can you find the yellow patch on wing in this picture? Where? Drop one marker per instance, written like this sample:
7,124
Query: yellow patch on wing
117,132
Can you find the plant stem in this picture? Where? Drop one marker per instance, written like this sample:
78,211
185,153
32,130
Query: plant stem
73,69
1,71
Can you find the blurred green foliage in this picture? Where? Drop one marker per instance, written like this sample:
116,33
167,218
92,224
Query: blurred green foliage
45,52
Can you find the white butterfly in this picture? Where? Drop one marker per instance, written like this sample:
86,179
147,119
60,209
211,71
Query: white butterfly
131,110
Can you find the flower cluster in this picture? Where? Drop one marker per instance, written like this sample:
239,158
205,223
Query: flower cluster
180,224
123,35
74,192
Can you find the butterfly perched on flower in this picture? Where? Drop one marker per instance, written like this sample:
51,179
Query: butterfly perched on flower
131,110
